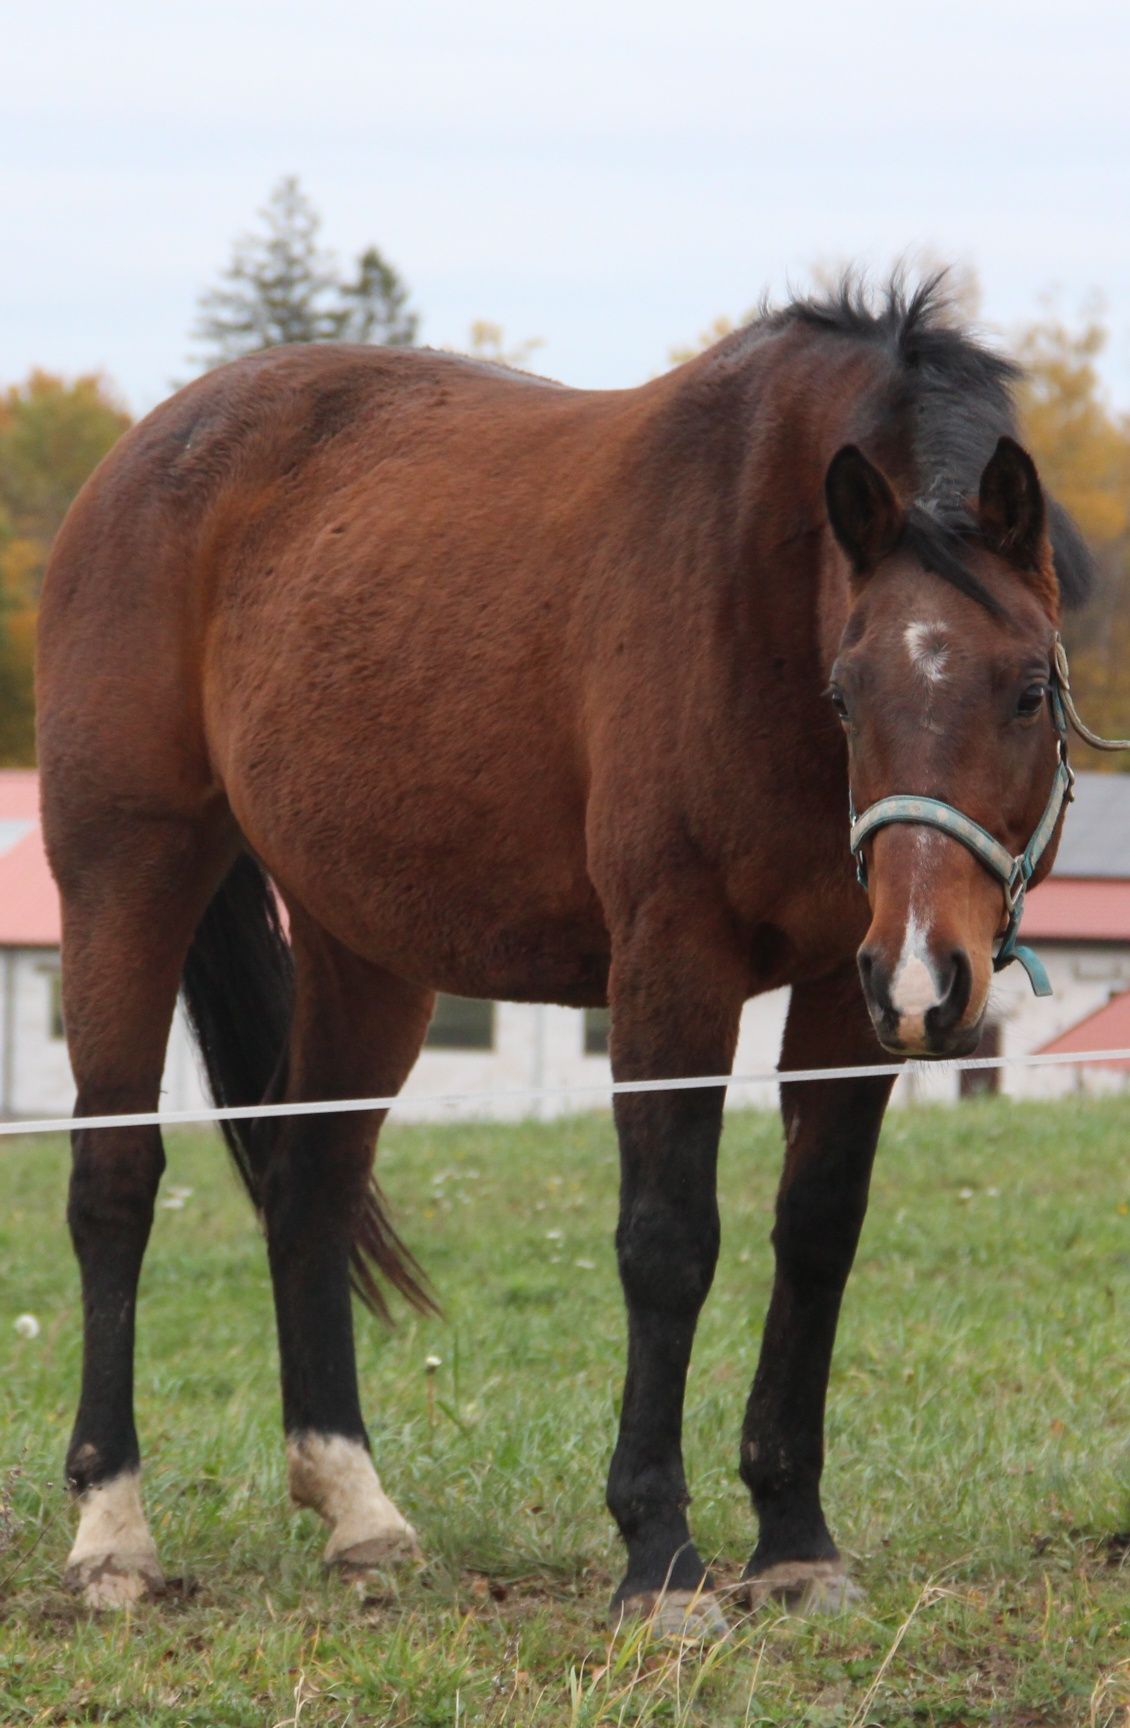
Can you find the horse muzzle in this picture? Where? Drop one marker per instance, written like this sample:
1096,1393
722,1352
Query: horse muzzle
920,1004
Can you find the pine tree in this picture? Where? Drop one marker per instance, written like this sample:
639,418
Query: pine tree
375,305
282,287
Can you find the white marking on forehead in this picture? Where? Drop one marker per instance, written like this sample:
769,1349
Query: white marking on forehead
926,644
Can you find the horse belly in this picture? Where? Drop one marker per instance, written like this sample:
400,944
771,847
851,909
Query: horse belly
457,929
449,862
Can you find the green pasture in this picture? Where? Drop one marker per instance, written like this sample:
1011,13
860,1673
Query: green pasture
978,1474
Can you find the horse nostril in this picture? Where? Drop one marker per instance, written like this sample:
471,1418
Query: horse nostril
875,980
955,1001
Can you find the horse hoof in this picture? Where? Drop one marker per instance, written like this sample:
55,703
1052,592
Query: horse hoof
803,1587
115,1580
394,1548
688,1616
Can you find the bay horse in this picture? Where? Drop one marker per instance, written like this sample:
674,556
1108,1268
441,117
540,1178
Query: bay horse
525,692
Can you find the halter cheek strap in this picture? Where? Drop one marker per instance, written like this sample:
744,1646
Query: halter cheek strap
1013,873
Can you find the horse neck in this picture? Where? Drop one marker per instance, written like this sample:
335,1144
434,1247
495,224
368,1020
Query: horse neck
779,585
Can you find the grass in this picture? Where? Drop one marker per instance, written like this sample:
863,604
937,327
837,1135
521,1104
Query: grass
978,1424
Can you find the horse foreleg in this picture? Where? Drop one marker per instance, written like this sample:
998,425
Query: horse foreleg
831,1130
676,993
356,1032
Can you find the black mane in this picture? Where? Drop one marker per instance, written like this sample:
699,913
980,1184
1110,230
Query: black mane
954,395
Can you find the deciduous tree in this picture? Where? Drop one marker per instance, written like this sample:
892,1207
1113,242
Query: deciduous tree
1082,448
488,341
52,434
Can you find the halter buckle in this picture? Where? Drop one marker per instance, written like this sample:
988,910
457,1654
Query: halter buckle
1015,886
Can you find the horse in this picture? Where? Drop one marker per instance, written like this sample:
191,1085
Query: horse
511,690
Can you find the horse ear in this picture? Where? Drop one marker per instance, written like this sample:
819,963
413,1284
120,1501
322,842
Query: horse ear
1011,506
866,517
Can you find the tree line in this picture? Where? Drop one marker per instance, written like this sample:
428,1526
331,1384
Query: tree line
282,286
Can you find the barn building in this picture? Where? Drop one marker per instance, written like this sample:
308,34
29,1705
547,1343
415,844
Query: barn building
482,1051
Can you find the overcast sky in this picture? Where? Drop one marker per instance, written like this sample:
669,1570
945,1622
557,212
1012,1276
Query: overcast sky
607,176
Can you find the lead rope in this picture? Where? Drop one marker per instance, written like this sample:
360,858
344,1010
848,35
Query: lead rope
1072,712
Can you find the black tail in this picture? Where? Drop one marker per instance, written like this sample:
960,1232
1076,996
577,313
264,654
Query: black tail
238,989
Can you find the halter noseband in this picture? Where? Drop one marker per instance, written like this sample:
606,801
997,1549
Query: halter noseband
1014,874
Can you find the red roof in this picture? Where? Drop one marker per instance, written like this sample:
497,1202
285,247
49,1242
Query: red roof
29,904
19,794
1108,1028
1070,909
29,900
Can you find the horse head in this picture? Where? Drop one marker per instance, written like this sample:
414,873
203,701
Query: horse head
945,684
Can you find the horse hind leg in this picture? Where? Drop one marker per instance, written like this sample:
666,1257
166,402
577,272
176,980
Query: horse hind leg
127,921
356,1033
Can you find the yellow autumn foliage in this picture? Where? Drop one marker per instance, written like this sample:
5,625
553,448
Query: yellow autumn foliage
53,432
1082,448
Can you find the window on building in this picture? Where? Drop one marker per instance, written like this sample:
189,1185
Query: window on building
597,1022
459,1023
977,1082
55,1028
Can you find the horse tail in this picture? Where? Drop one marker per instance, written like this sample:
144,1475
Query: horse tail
238,991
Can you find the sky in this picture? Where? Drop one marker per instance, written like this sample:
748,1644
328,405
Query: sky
607,177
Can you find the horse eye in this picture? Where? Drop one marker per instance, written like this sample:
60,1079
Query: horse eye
836,698
1032,700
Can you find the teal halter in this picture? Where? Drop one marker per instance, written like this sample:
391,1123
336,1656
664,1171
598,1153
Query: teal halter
1014,874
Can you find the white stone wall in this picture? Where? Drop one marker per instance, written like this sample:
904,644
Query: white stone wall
35,1072
542,1047
35,1075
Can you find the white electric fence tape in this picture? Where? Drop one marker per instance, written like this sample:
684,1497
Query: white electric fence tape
535,1094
